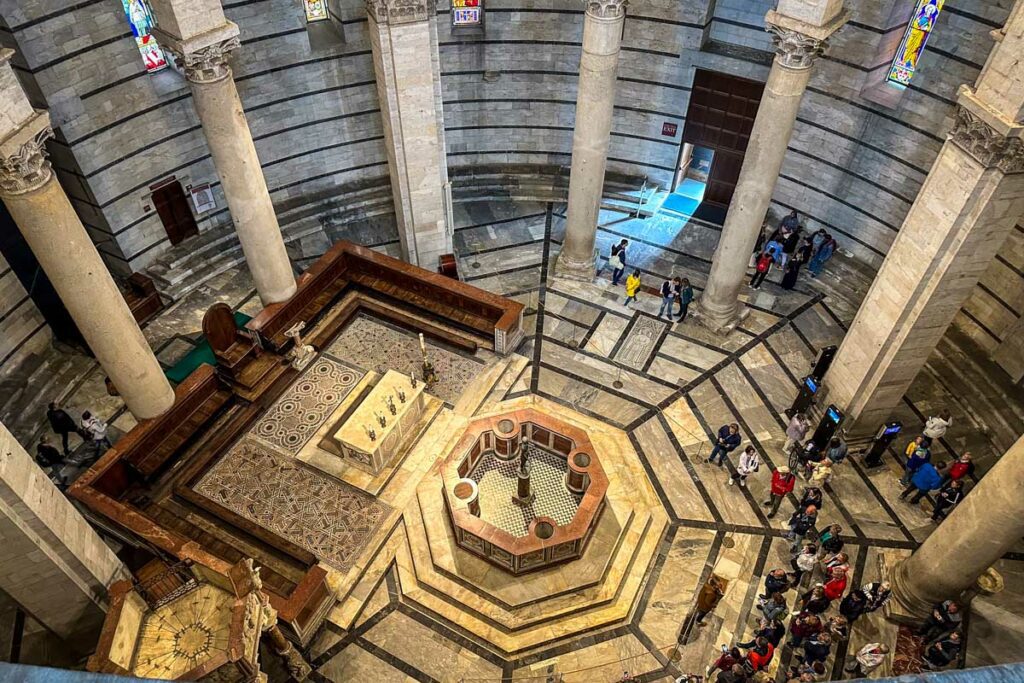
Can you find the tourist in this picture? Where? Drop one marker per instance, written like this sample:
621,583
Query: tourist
943,651
821,257
762,267
737,674
793,266
936,426
774,608
821,473
708,598
878,594
728,440
668,295
800,523
817,648
803,625
775,581
835,586
48,457
617,260
796,431
811,496
947,498
830,540
772,630
725,661
925,478
818,239
789,245
814,601
791,222
783,482
854,605
762,237
868,658
684,295
836,450
945,617
959,469
96,431
749,463
805,561
913,463
834,561
62,424
809,456
632,287
759,654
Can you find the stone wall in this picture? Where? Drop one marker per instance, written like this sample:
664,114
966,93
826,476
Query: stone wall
22,328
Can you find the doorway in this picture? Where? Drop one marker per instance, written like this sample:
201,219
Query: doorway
720,119
172,206
691,179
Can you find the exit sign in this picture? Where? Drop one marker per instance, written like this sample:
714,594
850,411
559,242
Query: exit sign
669,129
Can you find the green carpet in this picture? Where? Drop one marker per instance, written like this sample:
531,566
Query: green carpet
202,353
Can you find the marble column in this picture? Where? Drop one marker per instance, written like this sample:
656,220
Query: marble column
799,31
60,243
52,563
406,62
200,39
971,199
986,524
595,105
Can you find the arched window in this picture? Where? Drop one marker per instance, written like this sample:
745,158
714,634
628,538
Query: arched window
904,65
316,10
467,14
141,21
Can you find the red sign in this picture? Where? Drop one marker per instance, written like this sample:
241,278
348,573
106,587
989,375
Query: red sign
669,129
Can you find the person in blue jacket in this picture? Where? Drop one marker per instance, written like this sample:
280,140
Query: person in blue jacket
926,478
914,462
728,439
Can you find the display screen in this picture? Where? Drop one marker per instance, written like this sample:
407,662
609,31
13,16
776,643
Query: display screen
833,414
466,13
811,384
892,429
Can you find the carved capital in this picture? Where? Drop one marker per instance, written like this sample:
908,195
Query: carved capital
207,64
983,142
27,168
607,9
793,49
400,11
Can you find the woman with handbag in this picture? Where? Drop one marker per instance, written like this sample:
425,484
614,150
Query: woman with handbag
617,260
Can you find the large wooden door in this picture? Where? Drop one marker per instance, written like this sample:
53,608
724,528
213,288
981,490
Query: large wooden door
721,117
175,213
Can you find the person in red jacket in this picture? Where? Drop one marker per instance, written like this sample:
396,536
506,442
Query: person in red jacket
782,485
762,267
760,655
836,584
958,470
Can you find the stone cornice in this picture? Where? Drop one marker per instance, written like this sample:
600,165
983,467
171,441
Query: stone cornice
400,11
793,49
207,64
607,9
26,167
987,145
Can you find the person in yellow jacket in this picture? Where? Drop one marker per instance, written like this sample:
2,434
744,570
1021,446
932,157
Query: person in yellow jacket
632,287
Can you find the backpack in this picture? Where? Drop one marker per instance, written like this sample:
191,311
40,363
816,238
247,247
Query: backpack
764,261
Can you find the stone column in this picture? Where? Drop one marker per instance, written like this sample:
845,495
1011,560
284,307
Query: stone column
595,105
799,30
971,199
403,37
986,524
200,38
59,241
52,563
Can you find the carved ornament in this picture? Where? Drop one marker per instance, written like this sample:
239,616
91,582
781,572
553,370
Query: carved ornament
607,9
793,49
401,11
28,168
207,64
983,142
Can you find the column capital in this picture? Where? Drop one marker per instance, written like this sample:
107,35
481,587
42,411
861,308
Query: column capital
607,9
797,43
203,57
24,165
400,11
990,147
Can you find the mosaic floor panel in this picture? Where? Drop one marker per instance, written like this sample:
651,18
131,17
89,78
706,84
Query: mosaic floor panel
497,482
374,345
305,406
641,342
330,519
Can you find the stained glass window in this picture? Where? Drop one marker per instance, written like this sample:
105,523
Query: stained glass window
316,10
141,21
467,13
904,66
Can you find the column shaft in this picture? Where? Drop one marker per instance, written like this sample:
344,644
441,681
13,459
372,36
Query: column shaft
769,139
595,106
980,530
234,154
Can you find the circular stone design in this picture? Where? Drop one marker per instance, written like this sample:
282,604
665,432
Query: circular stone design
544,530
506,426
581,460
193,641
463,490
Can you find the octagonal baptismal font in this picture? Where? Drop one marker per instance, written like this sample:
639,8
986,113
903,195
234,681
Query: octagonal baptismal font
523,490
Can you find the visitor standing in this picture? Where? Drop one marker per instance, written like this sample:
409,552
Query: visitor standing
791,222
684,295
710,595
728,440
925,479
783,482
811,496
796,431
805,561
821,473
836,450
822,256
668,295
790,245
914,462
749,463
868,658
854,605
947,499
48,457
632,287
762,267
96,430
936,426
617,260
959,470
800,523
878,594
62,424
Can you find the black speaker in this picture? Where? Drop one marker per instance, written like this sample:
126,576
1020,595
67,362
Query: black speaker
827,427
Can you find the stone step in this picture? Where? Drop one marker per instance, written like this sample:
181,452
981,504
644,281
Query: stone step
15,383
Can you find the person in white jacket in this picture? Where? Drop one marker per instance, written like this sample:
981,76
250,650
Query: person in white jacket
936,426
749,463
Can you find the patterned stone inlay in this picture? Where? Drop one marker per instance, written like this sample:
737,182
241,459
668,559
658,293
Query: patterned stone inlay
497,483
305,406
329,518
641,341
374,345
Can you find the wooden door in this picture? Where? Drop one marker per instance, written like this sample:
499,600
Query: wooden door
175,213
721,117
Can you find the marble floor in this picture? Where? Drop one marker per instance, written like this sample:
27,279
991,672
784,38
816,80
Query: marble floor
663,389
